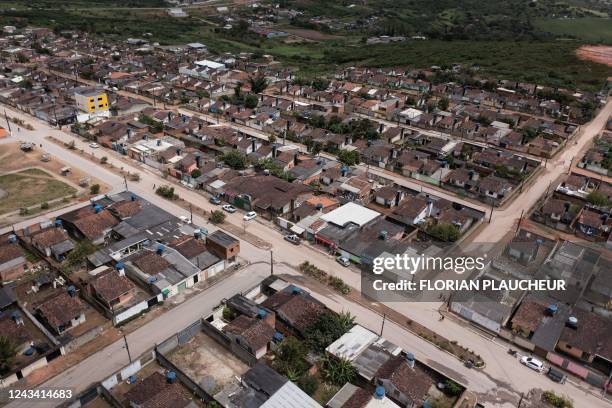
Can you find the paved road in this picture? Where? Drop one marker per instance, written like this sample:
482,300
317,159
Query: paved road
502,371
505,220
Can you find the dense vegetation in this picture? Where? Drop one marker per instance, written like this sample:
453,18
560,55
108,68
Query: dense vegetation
515,39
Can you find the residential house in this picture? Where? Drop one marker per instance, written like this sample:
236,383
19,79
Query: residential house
13,263
62,312
53,241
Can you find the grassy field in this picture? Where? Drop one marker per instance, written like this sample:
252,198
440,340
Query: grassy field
30,187
595,30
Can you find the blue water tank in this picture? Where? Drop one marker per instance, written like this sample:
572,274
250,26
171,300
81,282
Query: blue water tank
58,222
97,208
261,313
119,266
278,336
29,351
295,290
12,238
171,377
379,393
160,249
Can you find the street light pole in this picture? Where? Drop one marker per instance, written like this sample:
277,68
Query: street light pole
127,347
271,263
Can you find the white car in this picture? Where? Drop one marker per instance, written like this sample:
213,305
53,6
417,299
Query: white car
229,208
94,145
249,216
344,261
185,219
532,363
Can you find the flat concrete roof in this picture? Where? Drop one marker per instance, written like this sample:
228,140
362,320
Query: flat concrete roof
350,212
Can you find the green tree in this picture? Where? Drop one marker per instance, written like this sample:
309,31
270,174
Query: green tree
235,160
258,83
79,253
443,103
444,232
337,371
8,351
217,217
328,328
290,356
196,173
166,192
251,101
598,199
94,189
349,157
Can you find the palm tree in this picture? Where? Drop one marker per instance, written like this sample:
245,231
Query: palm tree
338,371
346,321
258,83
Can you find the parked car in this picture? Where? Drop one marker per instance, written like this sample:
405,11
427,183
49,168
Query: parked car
215,200
229,208
94,145
294,239
185,219
532,363
556,375
249,216
344,261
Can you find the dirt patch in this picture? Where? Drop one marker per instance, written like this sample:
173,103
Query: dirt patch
602,54
207,362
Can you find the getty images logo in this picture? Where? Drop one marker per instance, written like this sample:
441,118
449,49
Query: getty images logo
412,264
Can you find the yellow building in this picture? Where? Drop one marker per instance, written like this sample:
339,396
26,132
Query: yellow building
91,100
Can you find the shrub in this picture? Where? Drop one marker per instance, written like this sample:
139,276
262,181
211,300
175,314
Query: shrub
217,217
556,400
44,206
95,189
308,384
166,192
103,159
452,388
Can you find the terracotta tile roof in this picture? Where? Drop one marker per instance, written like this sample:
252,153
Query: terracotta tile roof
61,309
50,237
150,262
189,247
111,285
359,399
300,310
8,252
413,382
255,331
529,315
592,334
155,392
126,208
94,225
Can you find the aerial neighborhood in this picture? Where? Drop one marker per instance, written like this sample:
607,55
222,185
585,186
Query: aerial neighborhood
183,227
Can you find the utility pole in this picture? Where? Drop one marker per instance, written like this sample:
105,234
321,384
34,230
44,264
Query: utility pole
491,213
518,226
127,347
191,213
383,324
125,182
8,122
271,263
